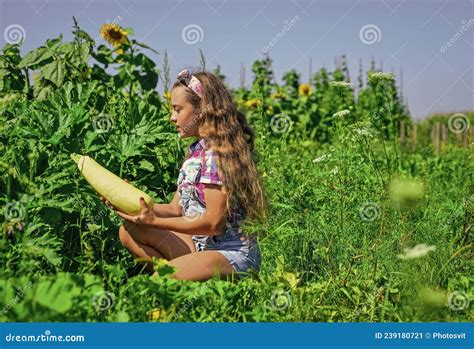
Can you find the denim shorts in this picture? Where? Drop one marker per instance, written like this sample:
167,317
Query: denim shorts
241,250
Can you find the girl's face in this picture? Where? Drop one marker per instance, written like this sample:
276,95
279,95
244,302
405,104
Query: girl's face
184,115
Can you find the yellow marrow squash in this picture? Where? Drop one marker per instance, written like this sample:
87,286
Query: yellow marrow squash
122,195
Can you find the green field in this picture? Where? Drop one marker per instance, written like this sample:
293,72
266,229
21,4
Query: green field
362,227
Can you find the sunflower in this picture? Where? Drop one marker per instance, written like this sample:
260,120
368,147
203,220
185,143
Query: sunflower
113,34
304,89
276,95
157,314
252,103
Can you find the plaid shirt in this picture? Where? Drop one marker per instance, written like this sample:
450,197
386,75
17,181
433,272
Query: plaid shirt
198,169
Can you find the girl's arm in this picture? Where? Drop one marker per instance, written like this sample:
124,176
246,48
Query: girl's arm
210,223
173,209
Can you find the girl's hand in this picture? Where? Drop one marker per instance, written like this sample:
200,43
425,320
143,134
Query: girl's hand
146,217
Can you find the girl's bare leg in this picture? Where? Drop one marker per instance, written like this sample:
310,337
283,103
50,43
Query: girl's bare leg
137,249
177,248
146,243
201,266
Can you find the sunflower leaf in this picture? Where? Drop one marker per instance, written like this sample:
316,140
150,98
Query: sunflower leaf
35,57
145,46
54,72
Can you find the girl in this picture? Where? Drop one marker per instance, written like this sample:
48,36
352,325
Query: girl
200,231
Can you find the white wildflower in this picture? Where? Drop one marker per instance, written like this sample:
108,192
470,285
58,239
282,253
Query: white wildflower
341,84
418,251
379,76
363,132
341,114
322,158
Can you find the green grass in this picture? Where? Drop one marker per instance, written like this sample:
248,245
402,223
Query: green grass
321,260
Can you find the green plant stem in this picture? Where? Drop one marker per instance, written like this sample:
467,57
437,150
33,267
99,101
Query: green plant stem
395,133
27,80
131,78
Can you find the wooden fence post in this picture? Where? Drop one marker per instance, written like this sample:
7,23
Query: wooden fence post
402,132
415,136
429,133
444,134
436,138
459,138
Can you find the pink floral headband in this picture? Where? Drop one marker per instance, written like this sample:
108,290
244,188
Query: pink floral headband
191,81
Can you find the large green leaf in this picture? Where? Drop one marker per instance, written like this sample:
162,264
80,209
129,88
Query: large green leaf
36,57
146,46
103,55
147,165
83,35
43,93
57,294
84,53
147,81
54,72
53,43
66,48
142,60
89,140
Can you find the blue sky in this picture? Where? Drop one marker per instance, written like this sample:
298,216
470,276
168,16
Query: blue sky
409,34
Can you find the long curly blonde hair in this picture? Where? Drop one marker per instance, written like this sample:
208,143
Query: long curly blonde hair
230,137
